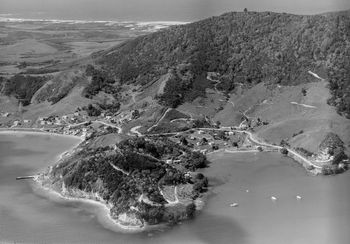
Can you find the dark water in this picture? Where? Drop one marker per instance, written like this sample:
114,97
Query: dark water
321,216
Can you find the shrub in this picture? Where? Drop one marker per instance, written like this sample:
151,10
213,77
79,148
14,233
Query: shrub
92,110
284,151
310,167
24,87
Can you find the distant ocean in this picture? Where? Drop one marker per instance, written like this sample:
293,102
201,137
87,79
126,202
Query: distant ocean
44,17
144,25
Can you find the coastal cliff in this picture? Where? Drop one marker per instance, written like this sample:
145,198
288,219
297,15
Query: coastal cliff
132,180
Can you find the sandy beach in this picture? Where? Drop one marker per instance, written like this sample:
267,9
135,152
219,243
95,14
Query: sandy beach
104,210
34,131
53,194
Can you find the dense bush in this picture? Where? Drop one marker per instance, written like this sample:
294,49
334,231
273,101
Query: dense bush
244,48
110,107
100,81
332,169
137,174
62,93
23,87
92,110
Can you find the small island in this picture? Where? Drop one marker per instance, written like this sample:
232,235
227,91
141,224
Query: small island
141,181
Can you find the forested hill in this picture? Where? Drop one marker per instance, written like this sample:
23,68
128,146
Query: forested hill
244,47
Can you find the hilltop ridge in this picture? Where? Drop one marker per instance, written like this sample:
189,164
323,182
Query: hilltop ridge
246,48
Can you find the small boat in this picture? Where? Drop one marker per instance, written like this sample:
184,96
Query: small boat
298,197
234,204
273,198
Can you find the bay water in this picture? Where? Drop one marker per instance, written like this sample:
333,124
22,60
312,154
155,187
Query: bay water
322,215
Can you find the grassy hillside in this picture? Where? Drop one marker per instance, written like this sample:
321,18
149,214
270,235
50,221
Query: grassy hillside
243,48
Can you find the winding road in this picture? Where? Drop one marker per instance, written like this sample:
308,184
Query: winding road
251,137
119,169
315,75
303,105
155,125
120,130
217,82
175,196
135,130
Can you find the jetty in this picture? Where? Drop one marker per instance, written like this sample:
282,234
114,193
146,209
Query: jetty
26,177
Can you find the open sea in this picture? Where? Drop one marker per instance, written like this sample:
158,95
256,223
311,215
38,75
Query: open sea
28,215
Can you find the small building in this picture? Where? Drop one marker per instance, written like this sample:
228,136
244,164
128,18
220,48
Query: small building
243,126
200,132
26,121
16,123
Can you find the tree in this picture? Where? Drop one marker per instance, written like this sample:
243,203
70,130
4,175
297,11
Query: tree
215,147
92,111
245,10
135,114
339,156
190,210
204,141
235,144
284,151
184,141
303,91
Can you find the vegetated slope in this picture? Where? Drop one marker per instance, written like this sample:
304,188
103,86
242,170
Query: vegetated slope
243,48
60,86
23,87
129,177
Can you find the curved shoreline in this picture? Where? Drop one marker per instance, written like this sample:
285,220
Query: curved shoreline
59,195
34,131
106,209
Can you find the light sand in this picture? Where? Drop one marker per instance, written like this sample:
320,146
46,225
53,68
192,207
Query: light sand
9,131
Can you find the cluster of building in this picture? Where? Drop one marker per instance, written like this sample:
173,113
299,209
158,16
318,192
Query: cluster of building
323,156
23,122
81,131
62,120
209,140
121,118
